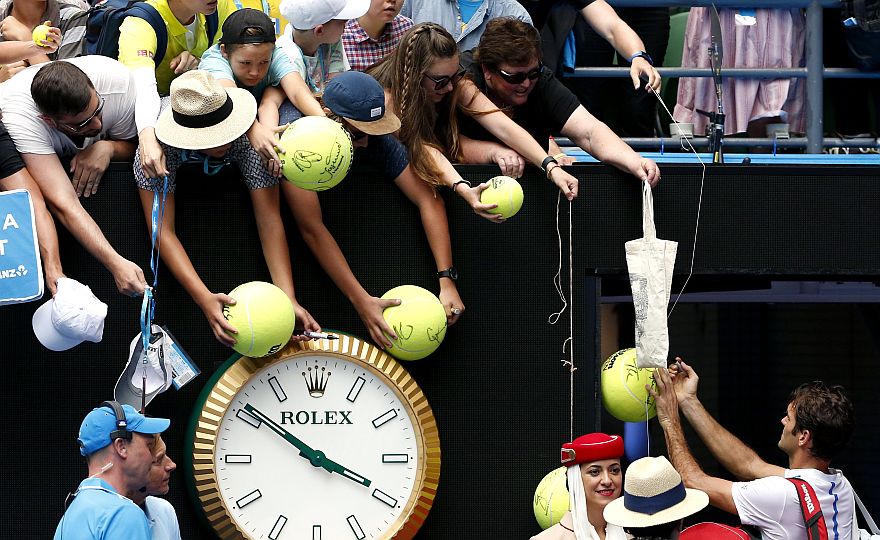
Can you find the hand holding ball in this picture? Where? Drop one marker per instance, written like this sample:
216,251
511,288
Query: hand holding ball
623,388
317,153
506,193
419,322
41,33
263,316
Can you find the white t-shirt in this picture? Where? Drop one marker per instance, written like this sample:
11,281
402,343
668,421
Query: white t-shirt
315,70
32,135
772,504
162,518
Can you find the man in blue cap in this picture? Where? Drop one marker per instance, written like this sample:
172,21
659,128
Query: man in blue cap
117,443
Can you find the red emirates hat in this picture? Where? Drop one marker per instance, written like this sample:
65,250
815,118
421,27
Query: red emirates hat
592,447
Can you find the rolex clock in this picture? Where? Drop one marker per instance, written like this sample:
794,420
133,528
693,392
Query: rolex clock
325,440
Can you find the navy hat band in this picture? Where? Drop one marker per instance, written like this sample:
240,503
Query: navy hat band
655,503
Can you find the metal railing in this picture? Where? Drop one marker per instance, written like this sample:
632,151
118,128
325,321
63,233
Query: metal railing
814,72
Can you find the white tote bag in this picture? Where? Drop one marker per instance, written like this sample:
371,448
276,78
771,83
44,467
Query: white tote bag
650,262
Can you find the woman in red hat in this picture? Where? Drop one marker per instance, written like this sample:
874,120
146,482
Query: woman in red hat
594,479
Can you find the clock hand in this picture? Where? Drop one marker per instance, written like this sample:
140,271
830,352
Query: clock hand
316,457
304,450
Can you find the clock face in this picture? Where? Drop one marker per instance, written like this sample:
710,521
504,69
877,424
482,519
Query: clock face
317,444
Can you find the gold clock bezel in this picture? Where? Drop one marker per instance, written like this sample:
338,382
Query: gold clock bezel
371,358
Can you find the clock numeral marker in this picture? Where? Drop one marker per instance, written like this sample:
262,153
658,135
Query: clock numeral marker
316,532
237,458
276,529
355,389
276,387
385,498
248,418
395,458
384,417
249,498
355,527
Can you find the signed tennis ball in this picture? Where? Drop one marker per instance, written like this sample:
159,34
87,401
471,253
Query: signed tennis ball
41,33
506,193
263,316
623,388
551,498
419,322
317,153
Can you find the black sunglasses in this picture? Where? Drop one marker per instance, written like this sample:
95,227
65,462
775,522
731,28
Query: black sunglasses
441,82
518,78
88,120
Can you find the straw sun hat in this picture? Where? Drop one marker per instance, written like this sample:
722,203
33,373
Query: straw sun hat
203,114
653,494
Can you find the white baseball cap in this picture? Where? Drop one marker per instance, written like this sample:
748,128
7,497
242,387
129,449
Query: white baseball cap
73,316
307,14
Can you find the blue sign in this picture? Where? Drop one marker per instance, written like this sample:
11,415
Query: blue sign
21,273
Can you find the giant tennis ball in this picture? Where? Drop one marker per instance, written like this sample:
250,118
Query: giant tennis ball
623,388
506,193
317,153
419,322
551,498
263,316
41,33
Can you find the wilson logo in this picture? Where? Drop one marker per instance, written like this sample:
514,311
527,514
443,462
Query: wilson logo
807,499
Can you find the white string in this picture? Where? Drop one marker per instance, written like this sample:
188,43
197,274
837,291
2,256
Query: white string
568,344
686,141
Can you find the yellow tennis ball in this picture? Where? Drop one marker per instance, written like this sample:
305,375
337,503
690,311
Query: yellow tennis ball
317,153
419,322
623,388
551,498
263,316
506,193
40,34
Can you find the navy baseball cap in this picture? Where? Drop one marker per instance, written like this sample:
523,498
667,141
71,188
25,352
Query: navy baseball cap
359,98
94,433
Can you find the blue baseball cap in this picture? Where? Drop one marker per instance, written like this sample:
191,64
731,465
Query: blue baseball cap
359,98
94,433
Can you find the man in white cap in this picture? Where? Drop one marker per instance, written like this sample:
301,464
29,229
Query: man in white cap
817,425
205,124
116,441
81,109
654,501
74,315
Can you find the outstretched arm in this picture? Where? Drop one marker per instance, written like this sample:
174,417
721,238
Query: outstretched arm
59,195
608,24
594,137
433,213
178,262
731,452
306,209
719,490
273,239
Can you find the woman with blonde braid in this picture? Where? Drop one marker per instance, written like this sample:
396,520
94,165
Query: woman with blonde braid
424,85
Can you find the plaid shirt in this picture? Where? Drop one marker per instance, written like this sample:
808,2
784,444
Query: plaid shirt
363,51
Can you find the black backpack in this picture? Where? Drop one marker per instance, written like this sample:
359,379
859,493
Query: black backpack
105,18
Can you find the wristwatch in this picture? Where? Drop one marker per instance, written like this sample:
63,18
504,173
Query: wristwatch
451,273
641,54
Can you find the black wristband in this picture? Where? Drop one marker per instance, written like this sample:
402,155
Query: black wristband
465,182
547,161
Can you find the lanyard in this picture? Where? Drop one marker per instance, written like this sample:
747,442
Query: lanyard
209,166
324,71
149,303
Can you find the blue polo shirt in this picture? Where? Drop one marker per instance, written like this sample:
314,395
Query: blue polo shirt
100,513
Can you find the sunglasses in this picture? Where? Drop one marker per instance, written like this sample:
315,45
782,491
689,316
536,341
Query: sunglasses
441,82
88,120
518,78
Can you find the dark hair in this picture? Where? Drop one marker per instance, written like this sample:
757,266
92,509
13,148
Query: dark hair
508,41
656,532
61,89
827,413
